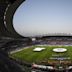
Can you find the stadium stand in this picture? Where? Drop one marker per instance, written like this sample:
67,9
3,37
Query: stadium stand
6,64
55,41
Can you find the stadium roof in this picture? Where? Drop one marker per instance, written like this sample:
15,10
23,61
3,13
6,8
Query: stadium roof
7,10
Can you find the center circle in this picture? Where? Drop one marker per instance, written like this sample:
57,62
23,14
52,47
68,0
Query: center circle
59,50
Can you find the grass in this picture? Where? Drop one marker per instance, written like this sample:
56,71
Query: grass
29,55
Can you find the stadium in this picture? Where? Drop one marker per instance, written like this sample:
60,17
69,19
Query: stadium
32,51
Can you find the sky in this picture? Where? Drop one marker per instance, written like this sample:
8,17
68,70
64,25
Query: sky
43,17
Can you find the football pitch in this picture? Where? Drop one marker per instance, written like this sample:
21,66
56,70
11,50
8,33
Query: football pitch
31,56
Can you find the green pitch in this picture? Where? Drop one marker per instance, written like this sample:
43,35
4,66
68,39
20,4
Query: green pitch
29,55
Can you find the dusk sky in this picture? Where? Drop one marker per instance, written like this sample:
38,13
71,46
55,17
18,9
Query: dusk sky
41,17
